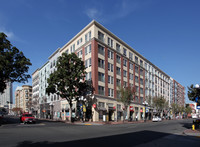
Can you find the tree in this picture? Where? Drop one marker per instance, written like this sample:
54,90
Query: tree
126,97
188,110
160,104
17,110
193,93
13,64
68,80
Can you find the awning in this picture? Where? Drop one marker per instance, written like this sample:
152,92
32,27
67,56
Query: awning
101,108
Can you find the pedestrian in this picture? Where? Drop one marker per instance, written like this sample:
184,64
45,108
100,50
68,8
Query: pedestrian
136,117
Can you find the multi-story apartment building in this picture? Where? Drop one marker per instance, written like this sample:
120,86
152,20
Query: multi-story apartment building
6,98
35,90
44,99
178,93
23,98
55,105
111,63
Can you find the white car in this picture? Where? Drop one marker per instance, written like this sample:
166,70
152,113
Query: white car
194,116
156,119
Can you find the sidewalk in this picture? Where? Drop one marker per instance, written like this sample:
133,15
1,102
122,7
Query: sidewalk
190,132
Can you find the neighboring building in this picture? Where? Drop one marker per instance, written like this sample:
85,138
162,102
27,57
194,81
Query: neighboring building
110,63
55,106
35,90
23,98
178,93
6,97
44,99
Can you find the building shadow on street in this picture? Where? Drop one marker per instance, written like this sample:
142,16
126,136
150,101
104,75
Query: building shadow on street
128,139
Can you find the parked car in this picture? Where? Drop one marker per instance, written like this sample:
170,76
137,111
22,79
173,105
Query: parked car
156,119
1,117
194,116
27,118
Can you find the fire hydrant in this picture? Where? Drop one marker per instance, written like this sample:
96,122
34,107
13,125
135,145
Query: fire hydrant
193,127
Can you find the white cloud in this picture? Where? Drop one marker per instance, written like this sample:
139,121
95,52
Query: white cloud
10,34
118,10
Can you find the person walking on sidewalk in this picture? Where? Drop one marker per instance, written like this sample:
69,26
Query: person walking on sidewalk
136,118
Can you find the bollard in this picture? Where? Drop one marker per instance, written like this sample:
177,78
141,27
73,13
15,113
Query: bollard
193,127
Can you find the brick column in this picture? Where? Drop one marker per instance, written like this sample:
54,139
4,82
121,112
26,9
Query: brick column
94,50
134,79
128,77
106,71
115,77
144,88
83,54
139,82
122,78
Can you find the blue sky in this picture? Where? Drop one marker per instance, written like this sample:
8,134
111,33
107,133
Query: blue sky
166,32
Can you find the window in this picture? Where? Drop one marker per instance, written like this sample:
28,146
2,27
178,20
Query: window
136,99
130,56
110,54
136,69
131,76
101,77
101,63
100,36
125,73
125,84
136,59
118,71
110,42
117,47
118,82
110,67
88,76
125,62
79,54
67,51
141,100
110,92
118,59
141,63
101,50
78,42
141,90
124,51
141,72
136,79
72,48
88,36
137,89
101,90
110,79
88,49
141,81
131,66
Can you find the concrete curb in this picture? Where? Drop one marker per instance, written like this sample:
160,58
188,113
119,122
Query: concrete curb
190,132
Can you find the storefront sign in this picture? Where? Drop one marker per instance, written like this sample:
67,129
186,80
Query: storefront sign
94,105
131,108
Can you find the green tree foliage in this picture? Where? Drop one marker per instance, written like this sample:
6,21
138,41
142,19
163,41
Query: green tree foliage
159,103
126,96
13,64
68,80
193,93
188,110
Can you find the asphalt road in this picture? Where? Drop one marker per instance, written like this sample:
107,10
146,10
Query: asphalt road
45,133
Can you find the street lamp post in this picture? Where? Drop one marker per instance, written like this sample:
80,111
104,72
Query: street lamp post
145,104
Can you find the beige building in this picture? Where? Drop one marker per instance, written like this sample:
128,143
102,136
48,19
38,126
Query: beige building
23,98
111,63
